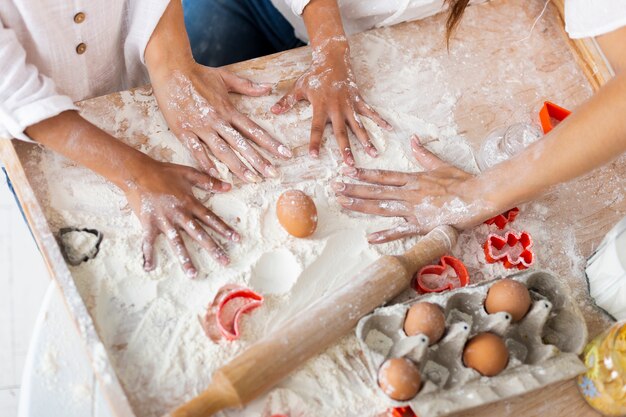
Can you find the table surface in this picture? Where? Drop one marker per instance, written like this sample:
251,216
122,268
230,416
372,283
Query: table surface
502,73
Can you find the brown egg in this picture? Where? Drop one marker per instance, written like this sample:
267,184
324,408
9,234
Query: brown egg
399,378
510,296
425,318
297,213
486,353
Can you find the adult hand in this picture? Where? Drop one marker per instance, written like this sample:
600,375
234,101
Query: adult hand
329,85
165,203
194,101
442,195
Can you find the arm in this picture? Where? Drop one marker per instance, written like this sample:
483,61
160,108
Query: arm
329,84
589,138
194,101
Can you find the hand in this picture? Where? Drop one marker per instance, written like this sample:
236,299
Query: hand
442,195
165,203
196,106
330,87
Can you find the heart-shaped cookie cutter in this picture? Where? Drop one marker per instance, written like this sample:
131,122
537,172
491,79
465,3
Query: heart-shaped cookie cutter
501,220
223,315
551,111
447,265
513,250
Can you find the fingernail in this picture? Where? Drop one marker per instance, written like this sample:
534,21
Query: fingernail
345,201
388,127
214,173
415,139
372,152
314,153
226,186
338,186
375,238
285,151
266,85
235,237
191,273
349,171
275,108
271,172
147,266
251,176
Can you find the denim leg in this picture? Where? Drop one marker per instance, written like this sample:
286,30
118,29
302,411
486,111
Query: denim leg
10,185
222,32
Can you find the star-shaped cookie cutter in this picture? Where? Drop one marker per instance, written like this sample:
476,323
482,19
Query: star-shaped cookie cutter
513,250
229,305
449,268
501,220
551,111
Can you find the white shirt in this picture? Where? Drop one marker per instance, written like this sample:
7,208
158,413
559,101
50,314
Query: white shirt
38,44
584,18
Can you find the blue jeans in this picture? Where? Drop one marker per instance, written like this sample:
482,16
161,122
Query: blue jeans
222,32
10,185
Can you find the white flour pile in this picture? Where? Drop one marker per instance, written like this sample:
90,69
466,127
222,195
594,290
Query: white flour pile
148,322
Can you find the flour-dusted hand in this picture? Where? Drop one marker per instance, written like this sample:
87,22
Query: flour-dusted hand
165,203
442,195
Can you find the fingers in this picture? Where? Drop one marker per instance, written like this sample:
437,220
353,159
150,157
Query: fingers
209,218
387,208
341,135
424,157
241,144
286,103
368,192
199,152
206,182
377,176
147,248
197,233
237,84
180,250
260,136
318,125
366,110
359,131
395,233
224,153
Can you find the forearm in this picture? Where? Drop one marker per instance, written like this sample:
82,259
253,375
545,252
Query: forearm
75,138
323,23
591,137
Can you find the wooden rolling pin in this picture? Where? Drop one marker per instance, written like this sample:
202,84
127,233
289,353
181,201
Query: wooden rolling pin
268,361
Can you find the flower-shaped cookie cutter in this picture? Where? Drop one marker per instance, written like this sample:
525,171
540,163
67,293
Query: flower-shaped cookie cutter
450,273
513,249
223,315
551,111
501,220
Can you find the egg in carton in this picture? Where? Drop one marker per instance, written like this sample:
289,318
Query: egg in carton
543,347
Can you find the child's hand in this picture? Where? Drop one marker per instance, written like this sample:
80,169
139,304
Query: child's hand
330,87
442,195
164,202
194,101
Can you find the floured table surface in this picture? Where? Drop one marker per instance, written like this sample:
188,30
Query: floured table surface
498,72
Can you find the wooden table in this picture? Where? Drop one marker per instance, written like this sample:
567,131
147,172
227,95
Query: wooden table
502,67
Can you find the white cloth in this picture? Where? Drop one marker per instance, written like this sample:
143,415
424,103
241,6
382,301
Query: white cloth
584,18
38,42
587,18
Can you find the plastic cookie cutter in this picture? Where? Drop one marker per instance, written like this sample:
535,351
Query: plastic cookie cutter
513,250
223,315
503,219
449,274
549,112
401,412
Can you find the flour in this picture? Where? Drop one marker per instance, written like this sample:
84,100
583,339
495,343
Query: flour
148,321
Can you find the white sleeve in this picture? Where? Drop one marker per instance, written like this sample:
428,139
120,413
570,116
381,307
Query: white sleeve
26,96
144,16
297,6
586,18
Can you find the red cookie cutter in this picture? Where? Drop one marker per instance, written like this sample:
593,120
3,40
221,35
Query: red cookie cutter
513,250
223,315
401,412
551,111
503,219
447,265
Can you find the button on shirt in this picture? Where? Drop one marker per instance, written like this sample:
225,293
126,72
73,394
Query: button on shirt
54,53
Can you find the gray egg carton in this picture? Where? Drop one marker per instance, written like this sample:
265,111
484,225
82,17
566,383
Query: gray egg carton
543,346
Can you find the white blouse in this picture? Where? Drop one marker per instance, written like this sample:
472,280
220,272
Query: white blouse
89,48
584,18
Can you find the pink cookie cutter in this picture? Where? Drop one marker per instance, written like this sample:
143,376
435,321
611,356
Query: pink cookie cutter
224,313
503,219
449,274
513,250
